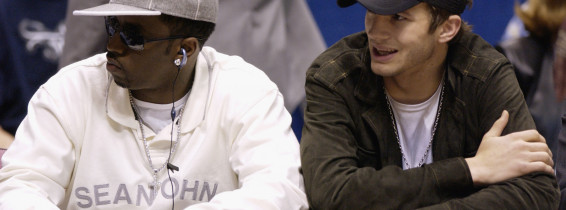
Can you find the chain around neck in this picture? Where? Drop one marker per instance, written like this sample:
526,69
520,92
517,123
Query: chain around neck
394,122
155,184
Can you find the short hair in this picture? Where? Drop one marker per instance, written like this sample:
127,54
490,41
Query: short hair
201,30
439,16
542,18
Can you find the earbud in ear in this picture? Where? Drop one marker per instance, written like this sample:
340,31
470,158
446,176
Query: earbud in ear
180,63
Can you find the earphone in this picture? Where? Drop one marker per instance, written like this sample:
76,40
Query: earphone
170,167
180,63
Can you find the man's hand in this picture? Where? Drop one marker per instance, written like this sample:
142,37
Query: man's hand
504,157
5,139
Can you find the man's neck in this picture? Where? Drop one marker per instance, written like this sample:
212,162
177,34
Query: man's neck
183,85
415,87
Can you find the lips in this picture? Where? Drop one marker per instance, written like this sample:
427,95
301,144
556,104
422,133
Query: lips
385,52
381,51
382,54
113,65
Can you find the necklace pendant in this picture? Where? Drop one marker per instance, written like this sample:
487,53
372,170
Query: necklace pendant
154,186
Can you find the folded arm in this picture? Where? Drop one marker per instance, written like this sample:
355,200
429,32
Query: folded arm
334,179
39,163
331,164
265,157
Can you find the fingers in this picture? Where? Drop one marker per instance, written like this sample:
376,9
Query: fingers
498,125
542,157
538,166
536,157
528,136
530,141
539,147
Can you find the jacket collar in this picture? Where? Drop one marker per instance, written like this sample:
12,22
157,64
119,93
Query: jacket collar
118,106
369,87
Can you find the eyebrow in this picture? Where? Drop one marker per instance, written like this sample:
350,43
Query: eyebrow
405,13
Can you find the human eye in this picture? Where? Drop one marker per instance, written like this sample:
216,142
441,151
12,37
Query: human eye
398,17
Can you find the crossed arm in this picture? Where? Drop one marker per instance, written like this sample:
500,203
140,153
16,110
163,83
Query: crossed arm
511,171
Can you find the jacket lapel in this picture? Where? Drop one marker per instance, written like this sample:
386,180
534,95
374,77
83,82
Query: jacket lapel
451,131
370,90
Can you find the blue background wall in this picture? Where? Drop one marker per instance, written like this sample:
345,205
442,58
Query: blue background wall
488,17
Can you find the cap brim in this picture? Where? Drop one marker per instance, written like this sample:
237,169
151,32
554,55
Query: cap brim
115,10
345,3
388,7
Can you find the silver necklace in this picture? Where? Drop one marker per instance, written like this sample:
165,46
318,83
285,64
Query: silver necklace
433,129
155,184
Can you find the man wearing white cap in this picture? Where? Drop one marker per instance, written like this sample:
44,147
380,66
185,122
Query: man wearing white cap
157,122
418,112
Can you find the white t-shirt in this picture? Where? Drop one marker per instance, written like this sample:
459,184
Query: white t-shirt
157,116
414,127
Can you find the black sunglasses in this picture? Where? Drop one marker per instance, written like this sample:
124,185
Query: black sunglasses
132,39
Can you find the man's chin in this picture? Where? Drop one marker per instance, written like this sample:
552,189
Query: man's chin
382,71
121,83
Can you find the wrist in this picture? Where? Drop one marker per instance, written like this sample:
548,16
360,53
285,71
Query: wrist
476,172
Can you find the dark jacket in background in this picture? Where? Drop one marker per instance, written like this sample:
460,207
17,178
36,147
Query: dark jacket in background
350,155
560,163
533,59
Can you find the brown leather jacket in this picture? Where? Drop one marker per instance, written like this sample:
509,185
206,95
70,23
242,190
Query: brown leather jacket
350,156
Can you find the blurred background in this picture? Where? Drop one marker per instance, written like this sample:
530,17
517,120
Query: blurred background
35,42
489,18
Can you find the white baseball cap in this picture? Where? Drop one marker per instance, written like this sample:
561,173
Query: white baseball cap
202,10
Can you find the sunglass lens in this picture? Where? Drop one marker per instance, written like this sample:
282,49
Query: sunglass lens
135,42
110,29
130,38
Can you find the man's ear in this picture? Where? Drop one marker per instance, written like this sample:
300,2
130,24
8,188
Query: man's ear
450,28
191,45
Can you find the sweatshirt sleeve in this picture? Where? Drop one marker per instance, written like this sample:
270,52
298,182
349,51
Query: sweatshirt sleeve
265,157
38,165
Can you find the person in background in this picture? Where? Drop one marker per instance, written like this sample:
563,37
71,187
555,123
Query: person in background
31,40
515,27
85,36
279,37
559,80
532,57
265,33
157,122
419,112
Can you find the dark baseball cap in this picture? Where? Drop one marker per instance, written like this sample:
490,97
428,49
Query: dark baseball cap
390,7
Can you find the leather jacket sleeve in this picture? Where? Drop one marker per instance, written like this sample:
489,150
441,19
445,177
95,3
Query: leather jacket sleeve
330,164
333,161
532,191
